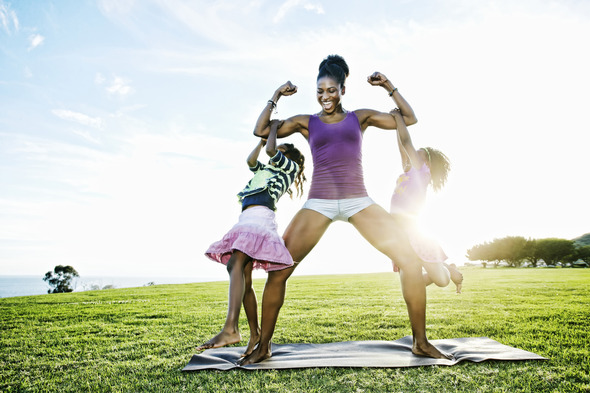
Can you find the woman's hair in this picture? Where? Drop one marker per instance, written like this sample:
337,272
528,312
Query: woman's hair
439,167
334,67
295,155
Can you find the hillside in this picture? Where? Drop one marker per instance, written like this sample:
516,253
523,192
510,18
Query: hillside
583,240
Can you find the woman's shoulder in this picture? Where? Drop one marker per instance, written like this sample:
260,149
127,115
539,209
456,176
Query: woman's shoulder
301,121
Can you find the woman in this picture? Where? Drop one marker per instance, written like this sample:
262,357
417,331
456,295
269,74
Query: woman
338,193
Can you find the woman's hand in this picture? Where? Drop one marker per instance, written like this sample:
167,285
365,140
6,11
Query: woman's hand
287,89
377,79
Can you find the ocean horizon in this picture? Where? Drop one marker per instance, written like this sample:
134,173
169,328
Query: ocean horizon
11,286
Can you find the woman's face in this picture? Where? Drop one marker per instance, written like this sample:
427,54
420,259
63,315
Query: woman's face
329,94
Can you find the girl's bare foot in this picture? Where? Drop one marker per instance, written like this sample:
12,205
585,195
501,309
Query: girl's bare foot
429,350
254,339
221,340
456,276
256,356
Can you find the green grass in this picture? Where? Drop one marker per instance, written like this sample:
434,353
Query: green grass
139,339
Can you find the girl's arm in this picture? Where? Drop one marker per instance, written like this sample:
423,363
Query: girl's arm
409,155
381,119
290,126
271,142
253,156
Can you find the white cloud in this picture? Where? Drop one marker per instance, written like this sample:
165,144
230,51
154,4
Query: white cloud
116,6
99,79
86,135
119,86
8,18
116,86
290,4
35,40
77,117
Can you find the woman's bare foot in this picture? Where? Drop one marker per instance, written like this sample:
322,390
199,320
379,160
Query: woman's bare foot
254,339
221,340
429,350
256,356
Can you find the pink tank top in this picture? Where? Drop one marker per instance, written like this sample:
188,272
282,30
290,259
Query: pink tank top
410,191
336,150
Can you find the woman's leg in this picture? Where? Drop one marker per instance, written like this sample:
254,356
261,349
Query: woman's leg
301,236
230,334
387,236
251,309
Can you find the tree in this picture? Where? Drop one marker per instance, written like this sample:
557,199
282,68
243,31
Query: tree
511,249
553,250
530,252
483,252
61,278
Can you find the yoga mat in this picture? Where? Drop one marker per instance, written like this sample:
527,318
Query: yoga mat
383,354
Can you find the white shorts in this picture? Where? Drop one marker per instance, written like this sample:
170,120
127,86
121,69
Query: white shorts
338,209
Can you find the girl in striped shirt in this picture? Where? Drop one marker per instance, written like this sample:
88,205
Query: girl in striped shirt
254,241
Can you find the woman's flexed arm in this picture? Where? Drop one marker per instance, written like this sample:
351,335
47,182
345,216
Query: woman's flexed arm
261,129
378,79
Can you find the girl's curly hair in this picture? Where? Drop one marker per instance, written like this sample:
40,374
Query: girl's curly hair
294,154
440,165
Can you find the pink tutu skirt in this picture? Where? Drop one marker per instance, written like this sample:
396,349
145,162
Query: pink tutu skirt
427,248
255,235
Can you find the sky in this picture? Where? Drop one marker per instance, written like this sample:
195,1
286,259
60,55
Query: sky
125,125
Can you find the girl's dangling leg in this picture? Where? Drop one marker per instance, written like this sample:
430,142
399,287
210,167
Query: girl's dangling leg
230,334
436,273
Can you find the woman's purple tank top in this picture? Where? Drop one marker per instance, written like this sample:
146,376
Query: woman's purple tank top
336,150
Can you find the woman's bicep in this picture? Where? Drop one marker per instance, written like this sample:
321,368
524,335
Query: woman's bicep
292,125
372,118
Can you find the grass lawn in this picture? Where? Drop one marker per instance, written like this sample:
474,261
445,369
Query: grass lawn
139,339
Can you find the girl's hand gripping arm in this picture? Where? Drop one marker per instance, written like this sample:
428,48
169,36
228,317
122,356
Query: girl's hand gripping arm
262,127
407,151
271,143
253,156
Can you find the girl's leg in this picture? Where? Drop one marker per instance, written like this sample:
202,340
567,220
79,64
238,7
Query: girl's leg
301,236
251,309
387,236
436,273
230,334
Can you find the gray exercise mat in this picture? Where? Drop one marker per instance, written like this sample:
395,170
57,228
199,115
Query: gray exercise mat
383,354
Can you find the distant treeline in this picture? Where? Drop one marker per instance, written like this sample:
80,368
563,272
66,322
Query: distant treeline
516,251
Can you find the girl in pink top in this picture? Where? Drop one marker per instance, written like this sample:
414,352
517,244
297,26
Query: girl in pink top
421,167
338,193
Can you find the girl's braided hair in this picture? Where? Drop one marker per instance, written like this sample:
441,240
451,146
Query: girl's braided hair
440,165
294,154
